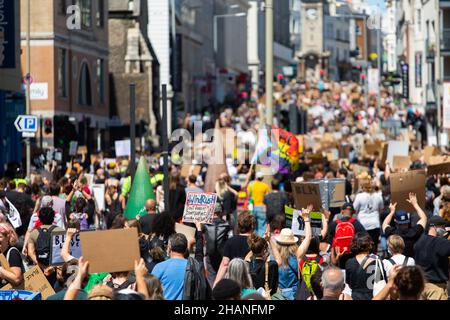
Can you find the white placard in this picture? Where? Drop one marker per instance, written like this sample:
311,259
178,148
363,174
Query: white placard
99,195
298,224
58,239
39,91
199,207
123,148
397,148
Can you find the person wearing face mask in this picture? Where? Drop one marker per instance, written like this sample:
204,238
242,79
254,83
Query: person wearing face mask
432,252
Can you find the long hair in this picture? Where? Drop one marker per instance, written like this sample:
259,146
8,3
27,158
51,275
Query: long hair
237,271
286,252
154,287
221,188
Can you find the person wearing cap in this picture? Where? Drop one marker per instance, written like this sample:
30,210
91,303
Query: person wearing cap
403,228
257,190
432,252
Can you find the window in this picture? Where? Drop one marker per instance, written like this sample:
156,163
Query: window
101,80
358,30
86,12
419,20
100,13
62,72
84,86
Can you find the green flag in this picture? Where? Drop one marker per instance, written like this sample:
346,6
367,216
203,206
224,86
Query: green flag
141,191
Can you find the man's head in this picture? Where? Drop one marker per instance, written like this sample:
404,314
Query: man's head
21,187
347,209
402,219
277,223
54,189
192,179
150,206
227,289
259,176
177,244
246,222
333,282
437,226
410,283
47,215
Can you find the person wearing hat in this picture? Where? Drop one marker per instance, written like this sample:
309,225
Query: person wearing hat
432,252
257,190
403,227
287,253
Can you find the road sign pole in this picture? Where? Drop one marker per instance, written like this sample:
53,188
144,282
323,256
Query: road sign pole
28,100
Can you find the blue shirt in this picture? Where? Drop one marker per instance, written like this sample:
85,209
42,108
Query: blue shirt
286,276
171,274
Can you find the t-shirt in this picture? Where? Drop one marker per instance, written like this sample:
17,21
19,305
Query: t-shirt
432,253
275,202
258,190
35,233
35,223
171,275
146,223
398,259
368,207
257,269
193,189
59,205
409,236
14,260
236,247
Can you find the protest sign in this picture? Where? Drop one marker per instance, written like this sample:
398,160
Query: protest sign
189,232
357,169
298,224
13,215
82,150
404,183
401,162
316,158
357,141
305,194
34,281
58,239
199,207
187,170
415,155
336,193
111,250
99,196
439,165
73,148
397,148
429,152
123,148
373,148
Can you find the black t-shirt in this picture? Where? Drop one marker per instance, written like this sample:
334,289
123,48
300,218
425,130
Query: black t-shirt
257,268
432,253
236,247
275,202
146,223
409,236
14,260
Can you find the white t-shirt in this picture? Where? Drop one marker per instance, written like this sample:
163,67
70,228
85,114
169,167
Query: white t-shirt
367,207
57,221
399,259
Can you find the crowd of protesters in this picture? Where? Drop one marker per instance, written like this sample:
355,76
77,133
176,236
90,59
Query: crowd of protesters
367,249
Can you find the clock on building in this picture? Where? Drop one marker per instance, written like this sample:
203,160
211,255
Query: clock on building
311,14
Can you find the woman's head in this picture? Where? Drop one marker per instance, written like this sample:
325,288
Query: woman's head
246,222
396,245
314,246
119,222
163,225
237,271
8,236
258,246
47,215
361,243
410,282
154,287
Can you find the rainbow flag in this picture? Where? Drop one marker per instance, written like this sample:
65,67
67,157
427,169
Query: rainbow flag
288,150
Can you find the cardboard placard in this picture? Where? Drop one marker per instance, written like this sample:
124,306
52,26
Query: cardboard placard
111,250
187,170
401,162
336,193
3,262
35,281
316,158
306,194
82,150
397,148
439,165
405,182
58,239
415,155
189,232
199,207
298,224
373,148
357,169
429,152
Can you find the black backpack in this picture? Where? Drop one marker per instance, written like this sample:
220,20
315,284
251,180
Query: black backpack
195,285
44,244
216,237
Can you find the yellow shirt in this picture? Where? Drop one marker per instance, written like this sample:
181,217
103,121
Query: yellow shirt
258,190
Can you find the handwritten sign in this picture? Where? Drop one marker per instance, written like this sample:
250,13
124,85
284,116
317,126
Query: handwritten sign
199,207
34,281
298,224
306,194
58,239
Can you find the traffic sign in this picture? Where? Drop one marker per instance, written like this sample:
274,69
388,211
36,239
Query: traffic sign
28,134
26,123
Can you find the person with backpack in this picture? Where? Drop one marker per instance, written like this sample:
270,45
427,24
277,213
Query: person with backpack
287,253
264,273
40,243
14,274
341,233
216,235
309,264
396,245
